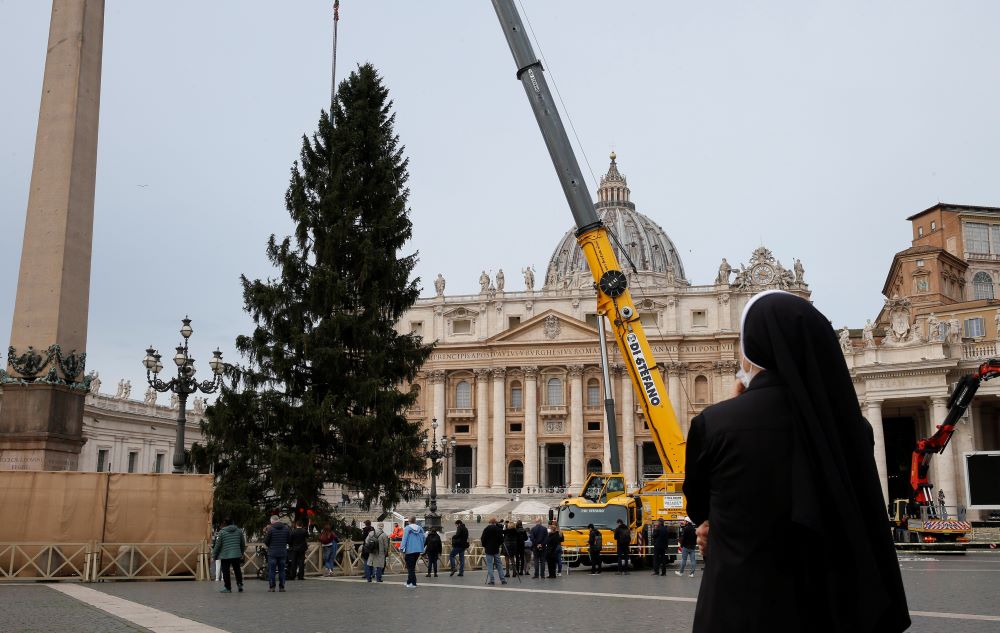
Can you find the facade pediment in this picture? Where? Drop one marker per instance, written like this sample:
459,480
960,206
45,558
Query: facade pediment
547,327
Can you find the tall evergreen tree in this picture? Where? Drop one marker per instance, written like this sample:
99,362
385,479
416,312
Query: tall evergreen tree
319,398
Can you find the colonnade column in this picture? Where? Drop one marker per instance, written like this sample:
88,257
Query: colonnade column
543,476
499,429
530,426
873,411
437,378
567,464
965,442
576,425
482,430
640,462
628,423
945,459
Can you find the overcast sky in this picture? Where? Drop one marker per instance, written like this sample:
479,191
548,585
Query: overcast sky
813,128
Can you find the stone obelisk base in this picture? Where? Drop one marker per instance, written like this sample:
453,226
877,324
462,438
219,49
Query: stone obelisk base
40,427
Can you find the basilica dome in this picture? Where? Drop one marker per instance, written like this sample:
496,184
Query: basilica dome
648,246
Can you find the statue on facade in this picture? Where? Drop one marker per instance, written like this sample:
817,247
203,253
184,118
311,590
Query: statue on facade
724,271
783,277
198,405
500,280
439,285
484,282
529,278
954,331
845,341
150,398
120,390
933,328
551,275
174,401
95,380
868,335
127,390
800,272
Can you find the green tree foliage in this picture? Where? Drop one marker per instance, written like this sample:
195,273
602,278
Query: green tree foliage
319,398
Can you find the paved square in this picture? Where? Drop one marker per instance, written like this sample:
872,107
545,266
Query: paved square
954,594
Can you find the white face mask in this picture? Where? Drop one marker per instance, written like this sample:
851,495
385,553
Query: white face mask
744,377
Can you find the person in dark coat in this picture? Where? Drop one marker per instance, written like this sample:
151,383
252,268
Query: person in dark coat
792,451
492,542
459,543
538,536
511,545
623,539
661,540
432,550
276,539
595,543
297,545
521,539
553,543
689,547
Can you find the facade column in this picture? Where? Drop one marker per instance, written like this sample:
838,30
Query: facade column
682,417
530,426
628,422
569,463
577,466
499,479
640,463
946,460
475,460
873,411
725,312
674,392
482,430
438,378
543,474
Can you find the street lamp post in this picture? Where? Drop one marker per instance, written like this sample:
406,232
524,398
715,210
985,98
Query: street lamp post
184,384
435,452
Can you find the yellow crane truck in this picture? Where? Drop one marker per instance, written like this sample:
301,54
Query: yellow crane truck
604,498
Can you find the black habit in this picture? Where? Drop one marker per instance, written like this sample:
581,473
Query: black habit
785,474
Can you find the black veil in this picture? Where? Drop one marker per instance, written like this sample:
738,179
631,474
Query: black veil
835,491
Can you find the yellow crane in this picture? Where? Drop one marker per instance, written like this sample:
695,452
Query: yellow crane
604,497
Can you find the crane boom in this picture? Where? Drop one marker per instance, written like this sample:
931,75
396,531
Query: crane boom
614,300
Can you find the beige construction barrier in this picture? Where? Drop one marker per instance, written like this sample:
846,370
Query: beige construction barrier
90,526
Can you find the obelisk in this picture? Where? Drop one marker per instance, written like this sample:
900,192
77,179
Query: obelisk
41,417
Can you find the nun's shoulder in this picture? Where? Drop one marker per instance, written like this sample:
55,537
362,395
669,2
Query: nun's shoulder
753,408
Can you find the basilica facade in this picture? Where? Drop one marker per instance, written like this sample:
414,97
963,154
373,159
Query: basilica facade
515,378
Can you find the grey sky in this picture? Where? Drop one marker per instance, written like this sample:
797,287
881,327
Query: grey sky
814,128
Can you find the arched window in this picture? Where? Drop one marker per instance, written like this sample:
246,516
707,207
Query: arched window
554,392
701,389
982,286
516,395
594,466
463,395
593,393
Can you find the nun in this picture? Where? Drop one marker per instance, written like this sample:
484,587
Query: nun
781,481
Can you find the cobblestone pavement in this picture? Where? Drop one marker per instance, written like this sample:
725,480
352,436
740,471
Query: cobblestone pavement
38,609
937,587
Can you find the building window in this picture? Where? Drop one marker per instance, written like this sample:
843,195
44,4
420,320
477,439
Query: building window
982,286
701,389
461,326
513,322
594,466
462,428
974,328
591,319
554,392
158,463
920,263
593,393
698,318
417,328
977,237
920,231
463,395
516,395
593,425
516,427
102,460
933,226
133,460
648,320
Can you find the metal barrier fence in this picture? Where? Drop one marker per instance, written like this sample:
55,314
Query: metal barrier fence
93,562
